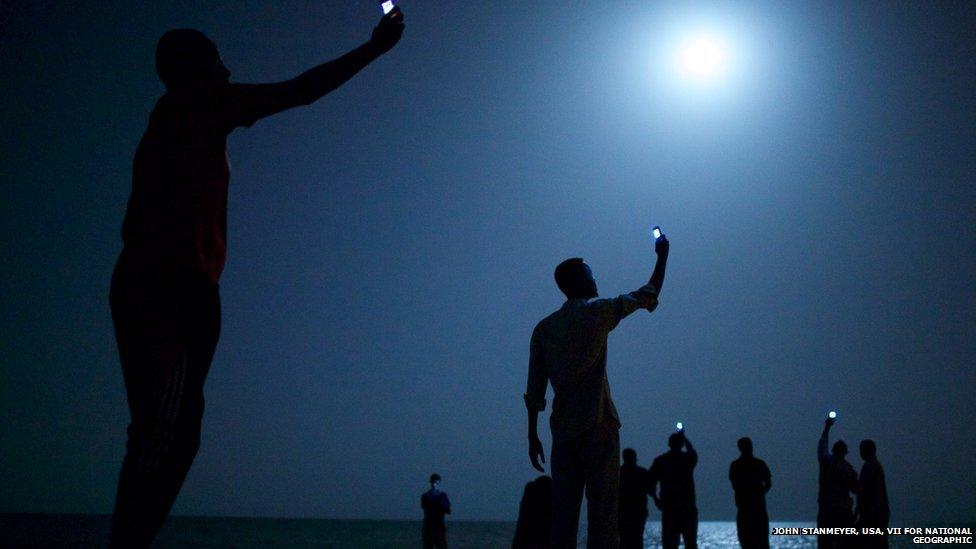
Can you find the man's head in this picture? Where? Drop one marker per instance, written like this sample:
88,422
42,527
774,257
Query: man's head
435,480
745,446
675,441
630,456
187,56
839,449
869,450
575,279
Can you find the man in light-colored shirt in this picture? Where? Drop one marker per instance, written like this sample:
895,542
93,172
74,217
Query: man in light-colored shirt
569,350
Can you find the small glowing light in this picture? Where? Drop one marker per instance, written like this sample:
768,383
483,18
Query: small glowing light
832,414
704,57
387,6
680,426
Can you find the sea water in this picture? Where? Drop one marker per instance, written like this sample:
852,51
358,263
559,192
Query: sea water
39,530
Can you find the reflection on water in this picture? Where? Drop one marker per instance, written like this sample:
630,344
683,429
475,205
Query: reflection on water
723,534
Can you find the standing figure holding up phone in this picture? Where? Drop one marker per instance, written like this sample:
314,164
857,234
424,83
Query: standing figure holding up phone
675,471
837,481
569,350
164,295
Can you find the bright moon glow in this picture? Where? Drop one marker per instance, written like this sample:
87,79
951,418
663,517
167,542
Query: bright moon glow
704,57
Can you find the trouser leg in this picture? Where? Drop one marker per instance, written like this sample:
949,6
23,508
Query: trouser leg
166,338
602,465
753,528
632,530
670,530
689,528
567,493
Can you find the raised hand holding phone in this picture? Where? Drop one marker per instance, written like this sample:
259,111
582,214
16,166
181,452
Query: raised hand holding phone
390,28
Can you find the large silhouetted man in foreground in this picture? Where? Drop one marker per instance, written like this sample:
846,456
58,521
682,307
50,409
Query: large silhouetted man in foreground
675,471
751,480
569,350
634,482
165,295
837,481
435,504
872,500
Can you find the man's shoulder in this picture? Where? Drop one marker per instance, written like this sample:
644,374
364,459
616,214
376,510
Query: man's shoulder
547,321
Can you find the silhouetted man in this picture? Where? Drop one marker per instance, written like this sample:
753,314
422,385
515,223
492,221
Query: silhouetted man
634,483
535,515
675,471
872,500
435,504
164,295
569,350
750,481
837,481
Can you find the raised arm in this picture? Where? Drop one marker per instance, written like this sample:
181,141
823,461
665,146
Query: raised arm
689,449
822,452
250,102
535,398
661,247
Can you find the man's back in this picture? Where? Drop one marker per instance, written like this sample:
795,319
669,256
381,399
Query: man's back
675,471
749,476
435,505
633,489
177,213
569,349
873,497
837,480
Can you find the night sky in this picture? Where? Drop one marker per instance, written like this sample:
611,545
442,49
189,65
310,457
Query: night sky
391,247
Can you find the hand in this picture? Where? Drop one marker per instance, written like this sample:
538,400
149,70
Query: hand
536,453
388,32
662,246
829,421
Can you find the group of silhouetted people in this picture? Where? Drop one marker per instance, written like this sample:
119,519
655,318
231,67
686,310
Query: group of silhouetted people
838,481
669,482
165,304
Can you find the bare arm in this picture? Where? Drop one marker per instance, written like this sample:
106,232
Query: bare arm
822,452
535,398
662,247
251,102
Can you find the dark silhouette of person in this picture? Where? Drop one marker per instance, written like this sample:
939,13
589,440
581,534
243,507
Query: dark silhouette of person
872,500
837,481
435,504
569,350
634,482
535,515
751,481
675,471
164,294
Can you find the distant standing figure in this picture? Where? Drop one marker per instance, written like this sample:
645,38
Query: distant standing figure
872,501
569,350
837,481
535,515
435,504
634,482
751,481
165,291
675,471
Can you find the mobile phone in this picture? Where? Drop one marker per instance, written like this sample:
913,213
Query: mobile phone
679,426
656,231
387,6
832,414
